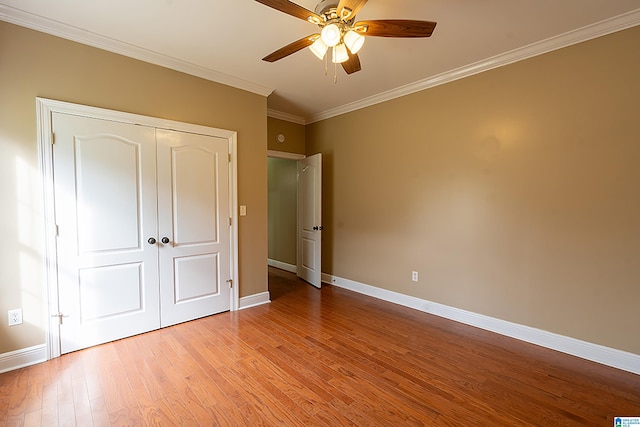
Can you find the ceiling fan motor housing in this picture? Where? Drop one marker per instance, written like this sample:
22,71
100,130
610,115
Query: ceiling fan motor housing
325,6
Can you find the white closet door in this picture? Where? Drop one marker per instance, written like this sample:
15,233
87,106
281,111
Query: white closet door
193,221
105,207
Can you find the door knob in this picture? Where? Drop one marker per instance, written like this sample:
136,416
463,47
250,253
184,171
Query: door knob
165,240
151,241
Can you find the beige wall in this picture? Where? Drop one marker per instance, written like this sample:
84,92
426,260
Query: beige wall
34,64
294,136
514,193
282,195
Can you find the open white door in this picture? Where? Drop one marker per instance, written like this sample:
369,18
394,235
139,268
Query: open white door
310,219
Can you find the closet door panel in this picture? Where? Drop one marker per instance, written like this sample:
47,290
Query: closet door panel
105,206
193,215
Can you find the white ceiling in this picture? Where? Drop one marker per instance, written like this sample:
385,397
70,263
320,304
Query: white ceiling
224,41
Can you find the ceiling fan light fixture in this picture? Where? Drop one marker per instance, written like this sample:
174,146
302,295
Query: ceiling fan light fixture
354,41
340,54
331,35
339,30
318,48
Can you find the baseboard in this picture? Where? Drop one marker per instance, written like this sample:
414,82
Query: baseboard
282,265
596,353
22,358
254,300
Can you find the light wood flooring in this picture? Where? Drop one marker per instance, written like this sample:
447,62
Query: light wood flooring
312,357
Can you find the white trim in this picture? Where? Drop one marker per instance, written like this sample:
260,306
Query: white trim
597,353
45,164
285,155
281,115
599,29
255,300
23,357
234,215
39,23
291,268
45,108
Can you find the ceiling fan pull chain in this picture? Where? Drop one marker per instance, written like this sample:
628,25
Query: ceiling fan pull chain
335,73
326,64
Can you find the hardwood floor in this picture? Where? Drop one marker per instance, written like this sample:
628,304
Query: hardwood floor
318,357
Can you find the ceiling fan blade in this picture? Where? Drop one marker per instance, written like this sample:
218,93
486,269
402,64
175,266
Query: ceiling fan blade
291,8
353,5
291,48
352,64
396,28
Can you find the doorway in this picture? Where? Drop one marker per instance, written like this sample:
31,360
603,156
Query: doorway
294,214
282,213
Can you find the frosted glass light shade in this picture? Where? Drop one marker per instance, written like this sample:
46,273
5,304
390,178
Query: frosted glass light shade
340,54
331,35
318,48
354,41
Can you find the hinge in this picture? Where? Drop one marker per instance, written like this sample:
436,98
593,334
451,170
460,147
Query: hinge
57,230
230,222
229,158
53,138
60,316
230,282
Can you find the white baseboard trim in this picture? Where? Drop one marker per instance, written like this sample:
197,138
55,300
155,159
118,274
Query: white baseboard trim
282,265
254,300
23,357
596,353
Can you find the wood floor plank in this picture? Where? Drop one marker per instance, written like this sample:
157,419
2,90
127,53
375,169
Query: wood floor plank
312,357
99,412
33,418
18,395
81,403
50,403
66,409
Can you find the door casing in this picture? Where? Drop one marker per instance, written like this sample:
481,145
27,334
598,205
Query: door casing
45,108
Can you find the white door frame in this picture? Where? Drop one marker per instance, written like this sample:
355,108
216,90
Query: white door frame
45,108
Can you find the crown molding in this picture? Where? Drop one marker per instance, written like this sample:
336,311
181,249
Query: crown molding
44,25
281,115
612,25
599,29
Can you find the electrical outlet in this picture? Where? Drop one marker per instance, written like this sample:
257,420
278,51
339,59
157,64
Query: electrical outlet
15,317
414,276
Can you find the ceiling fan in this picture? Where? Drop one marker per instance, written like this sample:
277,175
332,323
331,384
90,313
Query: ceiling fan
341,32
